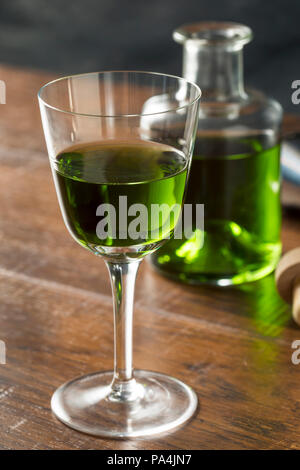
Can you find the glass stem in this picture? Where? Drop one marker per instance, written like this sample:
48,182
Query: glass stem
122,277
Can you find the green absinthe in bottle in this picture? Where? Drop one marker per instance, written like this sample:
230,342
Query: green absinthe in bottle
240,241
235,169
100,173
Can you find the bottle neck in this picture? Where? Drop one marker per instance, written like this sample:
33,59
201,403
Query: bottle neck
217,70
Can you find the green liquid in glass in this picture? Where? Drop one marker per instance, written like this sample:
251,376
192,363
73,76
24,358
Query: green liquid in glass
238,181
92,174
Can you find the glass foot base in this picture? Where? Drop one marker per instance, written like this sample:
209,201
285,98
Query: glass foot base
87,404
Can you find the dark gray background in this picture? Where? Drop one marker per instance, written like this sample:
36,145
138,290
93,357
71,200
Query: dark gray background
86,35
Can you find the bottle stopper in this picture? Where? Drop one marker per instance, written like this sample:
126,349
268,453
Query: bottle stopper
287,278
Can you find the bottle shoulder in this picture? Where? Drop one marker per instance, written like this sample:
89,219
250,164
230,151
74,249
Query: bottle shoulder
252,112
252,109
258,101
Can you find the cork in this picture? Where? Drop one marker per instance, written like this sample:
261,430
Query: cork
287,278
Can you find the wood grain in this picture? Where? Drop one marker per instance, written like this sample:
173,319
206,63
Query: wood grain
232,345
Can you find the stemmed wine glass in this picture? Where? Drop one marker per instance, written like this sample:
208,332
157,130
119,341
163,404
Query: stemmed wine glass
120,147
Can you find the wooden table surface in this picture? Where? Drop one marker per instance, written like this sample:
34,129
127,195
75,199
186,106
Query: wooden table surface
232,345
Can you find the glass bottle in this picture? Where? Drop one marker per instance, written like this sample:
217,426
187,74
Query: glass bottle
236,166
